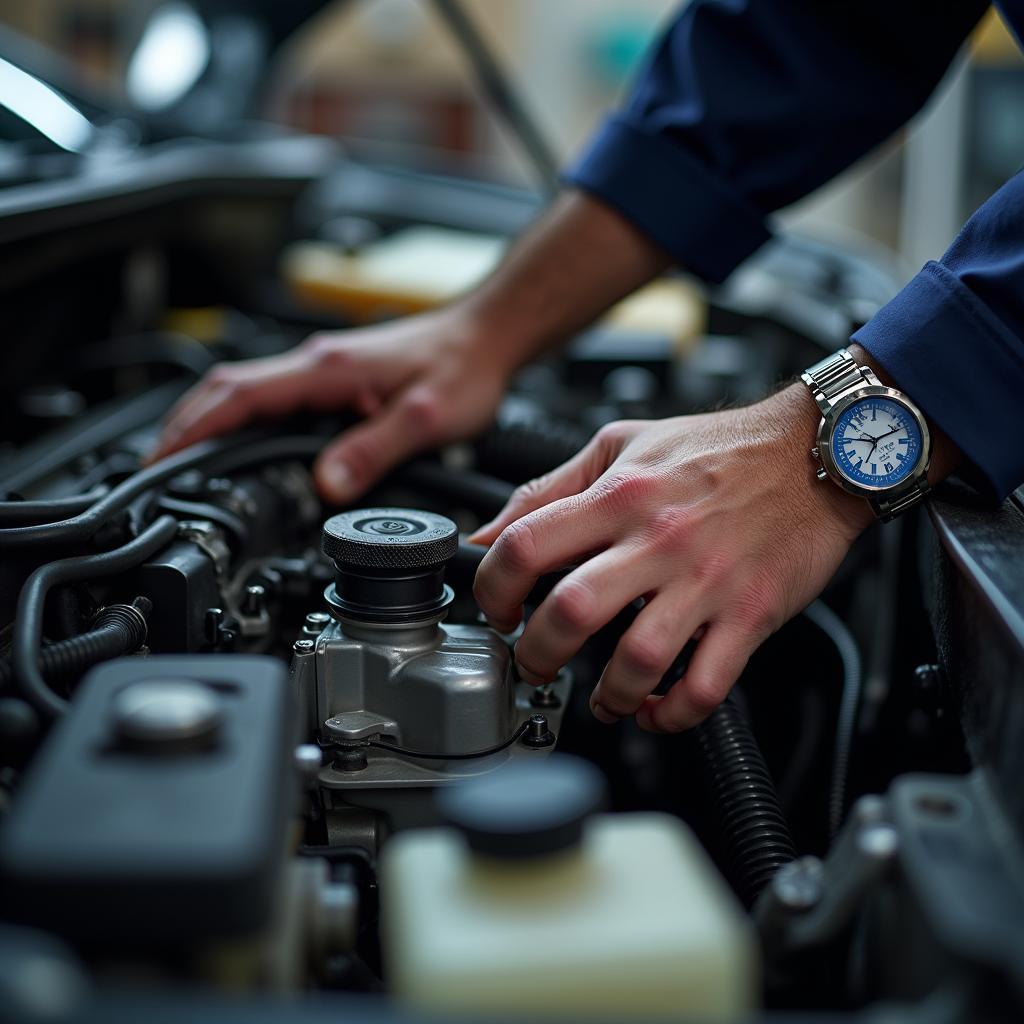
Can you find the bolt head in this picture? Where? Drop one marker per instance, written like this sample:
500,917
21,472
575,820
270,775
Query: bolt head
303,646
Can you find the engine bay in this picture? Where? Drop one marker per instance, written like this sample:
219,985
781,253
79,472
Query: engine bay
223,700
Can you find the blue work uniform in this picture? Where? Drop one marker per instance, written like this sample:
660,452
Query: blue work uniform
745,106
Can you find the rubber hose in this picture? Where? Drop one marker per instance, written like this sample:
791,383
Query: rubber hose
28,622
525,450
118,629
755,837
849,654
232,454
485,494
46,511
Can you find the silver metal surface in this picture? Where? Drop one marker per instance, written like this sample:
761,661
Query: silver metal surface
209,539
165,713
837,382
427,687
432,688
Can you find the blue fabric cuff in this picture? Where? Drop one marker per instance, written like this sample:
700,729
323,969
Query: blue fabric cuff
671,197
960,364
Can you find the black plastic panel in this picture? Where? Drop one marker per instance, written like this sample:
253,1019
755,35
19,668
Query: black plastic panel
119,848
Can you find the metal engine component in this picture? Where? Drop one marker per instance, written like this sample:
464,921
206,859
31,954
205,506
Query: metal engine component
397,698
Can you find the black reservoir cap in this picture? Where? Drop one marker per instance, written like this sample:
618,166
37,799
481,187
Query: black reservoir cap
390,563
526,808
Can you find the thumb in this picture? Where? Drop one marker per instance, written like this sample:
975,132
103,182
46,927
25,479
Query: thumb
356,460
570,478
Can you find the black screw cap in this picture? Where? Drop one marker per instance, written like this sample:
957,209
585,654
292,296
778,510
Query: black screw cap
390,563
527,808
390,538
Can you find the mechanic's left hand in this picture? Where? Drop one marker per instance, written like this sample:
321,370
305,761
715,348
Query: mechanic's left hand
717,521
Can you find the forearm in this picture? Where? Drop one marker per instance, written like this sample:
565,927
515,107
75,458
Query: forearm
577,261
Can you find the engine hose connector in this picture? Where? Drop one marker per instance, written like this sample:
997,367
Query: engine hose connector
118,629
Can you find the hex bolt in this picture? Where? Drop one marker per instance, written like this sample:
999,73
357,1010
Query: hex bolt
303,646
255,601
799,885
545,697
537,732
316,623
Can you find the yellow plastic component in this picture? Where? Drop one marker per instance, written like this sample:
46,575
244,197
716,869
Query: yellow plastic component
636,923
421,268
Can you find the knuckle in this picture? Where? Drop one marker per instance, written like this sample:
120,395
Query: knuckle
671,529
327,352
703,696
613,435
526,493
713,569
624,490
642,656
423,411
573,605
516,547
617,703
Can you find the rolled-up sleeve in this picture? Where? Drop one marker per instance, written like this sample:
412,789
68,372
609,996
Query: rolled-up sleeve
745,106
954,339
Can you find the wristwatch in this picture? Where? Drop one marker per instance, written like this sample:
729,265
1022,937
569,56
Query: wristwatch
872,440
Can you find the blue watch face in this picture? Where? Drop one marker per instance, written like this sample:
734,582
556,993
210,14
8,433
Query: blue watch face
876,442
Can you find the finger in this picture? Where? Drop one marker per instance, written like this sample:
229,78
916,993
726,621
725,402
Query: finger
355,461
720,658
234,394
577,607
643,655
553,537
570,478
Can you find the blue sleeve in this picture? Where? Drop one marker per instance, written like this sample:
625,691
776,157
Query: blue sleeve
744,106
953,339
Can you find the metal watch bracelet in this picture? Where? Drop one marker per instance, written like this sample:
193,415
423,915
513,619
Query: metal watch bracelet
832,378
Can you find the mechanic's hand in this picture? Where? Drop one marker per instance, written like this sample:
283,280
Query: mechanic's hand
418,382
717,521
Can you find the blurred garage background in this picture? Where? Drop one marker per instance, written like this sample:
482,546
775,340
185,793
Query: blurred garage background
387,77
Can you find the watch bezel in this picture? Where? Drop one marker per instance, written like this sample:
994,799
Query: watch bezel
827,425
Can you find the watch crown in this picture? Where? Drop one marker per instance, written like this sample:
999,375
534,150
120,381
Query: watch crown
821,474
815,454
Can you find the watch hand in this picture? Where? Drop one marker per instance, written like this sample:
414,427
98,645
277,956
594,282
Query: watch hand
887,433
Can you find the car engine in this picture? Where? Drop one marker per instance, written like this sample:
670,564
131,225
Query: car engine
223,701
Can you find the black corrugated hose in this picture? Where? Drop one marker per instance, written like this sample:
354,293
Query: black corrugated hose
28,621
118,629
755,837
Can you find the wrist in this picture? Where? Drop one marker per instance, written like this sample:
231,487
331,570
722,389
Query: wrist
492,334
795,417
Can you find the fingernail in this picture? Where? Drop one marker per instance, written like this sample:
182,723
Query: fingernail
602,715
336,480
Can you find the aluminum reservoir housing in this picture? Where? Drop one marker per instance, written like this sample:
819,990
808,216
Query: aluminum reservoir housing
398,700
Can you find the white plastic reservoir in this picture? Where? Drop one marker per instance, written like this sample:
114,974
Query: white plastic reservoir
529,905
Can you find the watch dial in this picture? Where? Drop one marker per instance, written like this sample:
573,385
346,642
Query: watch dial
876,442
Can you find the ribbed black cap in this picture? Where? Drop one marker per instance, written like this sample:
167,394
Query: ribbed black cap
390,538
527,808
390,563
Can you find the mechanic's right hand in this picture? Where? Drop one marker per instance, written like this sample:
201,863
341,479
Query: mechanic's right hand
417,382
